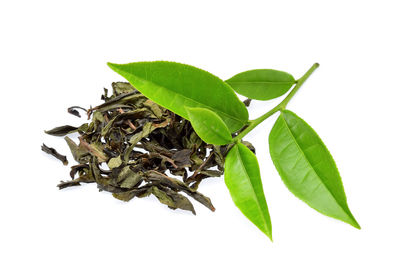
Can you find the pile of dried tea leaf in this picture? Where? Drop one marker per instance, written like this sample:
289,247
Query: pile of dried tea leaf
133,146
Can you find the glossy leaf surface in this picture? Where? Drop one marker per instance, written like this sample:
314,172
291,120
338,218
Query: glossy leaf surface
209,126
307,168
261,84
242,177
174,86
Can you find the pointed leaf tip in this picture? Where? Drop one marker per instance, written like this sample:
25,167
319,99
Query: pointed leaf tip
307,168
242,177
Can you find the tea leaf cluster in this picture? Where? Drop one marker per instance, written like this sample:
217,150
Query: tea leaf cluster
220,118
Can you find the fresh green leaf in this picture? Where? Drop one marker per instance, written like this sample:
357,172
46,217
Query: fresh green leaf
209,126
242,177
174,86
307,168
262,84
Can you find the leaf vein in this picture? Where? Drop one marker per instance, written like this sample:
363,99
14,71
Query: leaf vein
311,166
194,100
249,179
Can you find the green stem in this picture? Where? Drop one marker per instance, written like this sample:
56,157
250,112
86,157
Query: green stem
281,106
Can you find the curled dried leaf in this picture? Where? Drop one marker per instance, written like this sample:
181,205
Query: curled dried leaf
55,154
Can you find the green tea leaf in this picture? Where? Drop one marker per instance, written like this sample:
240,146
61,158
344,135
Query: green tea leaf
242,177
307,168
262,84
209,126
174,86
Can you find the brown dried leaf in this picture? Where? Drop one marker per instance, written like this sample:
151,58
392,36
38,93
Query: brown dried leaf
55,154
173,199
62,130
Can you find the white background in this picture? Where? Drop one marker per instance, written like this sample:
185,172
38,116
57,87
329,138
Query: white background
54,54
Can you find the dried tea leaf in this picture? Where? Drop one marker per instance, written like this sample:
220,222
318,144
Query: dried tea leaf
68,184
156,109
79,168
136,192
128,179
131,181
78,152
55,154
250,146
120,99
172,199
62,130
83,128
182,158
202,199
247,102
122,88
98,116
96,149
211,173
73,111
154,146
114,162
